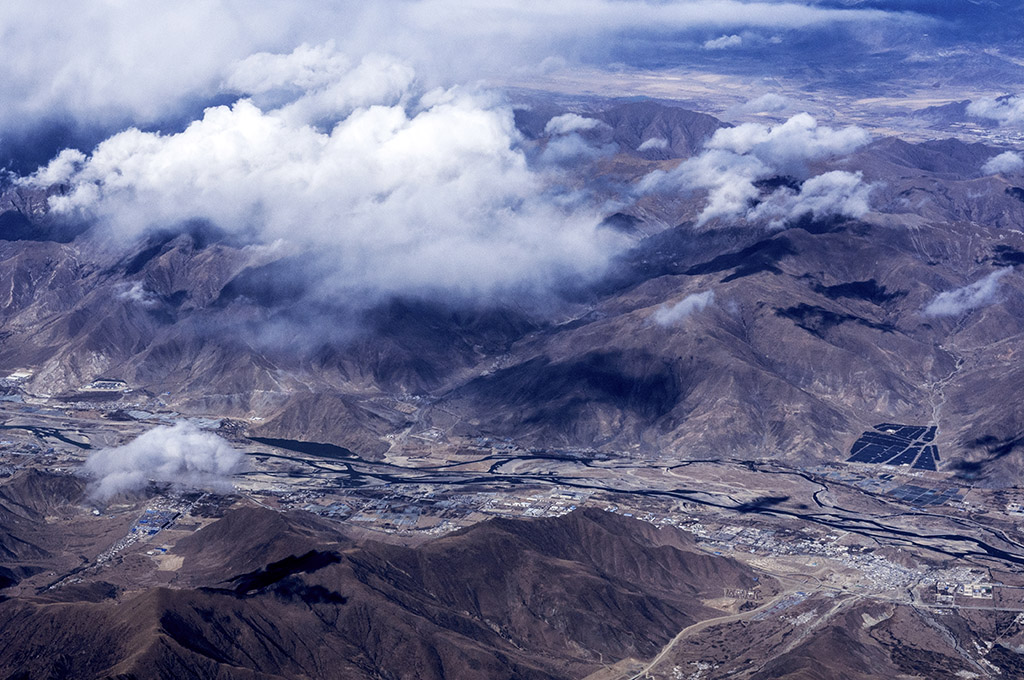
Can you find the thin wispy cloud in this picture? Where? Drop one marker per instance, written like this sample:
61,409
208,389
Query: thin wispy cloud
653,144
669,315
1004,163
981,293
724,42
769,102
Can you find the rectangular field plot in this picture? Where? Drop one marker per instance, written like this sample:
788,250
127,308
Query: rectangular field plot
906,458
896,444
921,496
926,461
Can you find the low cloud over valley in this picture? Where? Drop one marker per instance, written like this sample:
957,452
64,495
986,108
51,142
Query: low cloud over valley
181,454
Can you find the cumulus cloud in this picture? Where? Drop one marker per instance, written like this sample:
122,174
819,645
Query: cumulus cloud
790,145
430,194
669,315
1006,162
728,177
142,60
570,122
723,43
835,193
959,300
369,157
1005,110
653,143
181,454
735,158
66,164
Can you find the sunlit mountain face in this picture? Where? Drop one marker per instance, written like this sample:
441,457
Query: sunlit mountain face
579,339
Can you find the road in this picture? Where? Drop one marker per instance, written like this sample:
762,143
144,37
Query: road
706,623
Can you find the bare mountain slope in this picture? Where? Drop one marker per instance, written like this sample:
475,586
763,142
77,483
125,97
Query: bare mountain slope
815,331
515,599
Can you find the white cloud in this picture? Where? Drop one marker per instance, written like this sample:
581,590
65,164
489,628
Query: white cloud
323,84
65,165
182,455
766,103
138,294
728,177
306,68
144,60
723,43
435,195
790,145
974,295
570,122
653,143
1005,110
735,158
1006,162
668,315
572,147
835,193
112,59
